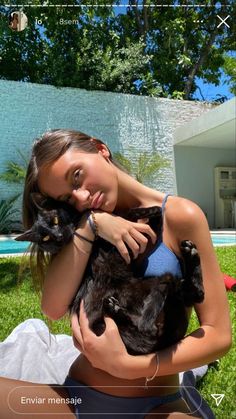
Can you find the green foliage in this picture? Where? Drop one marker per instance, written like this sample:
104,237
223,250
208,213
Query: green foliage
123,161
227,257
15,172
230,69
178,95
7,212
109,68
144,166
148,165
147,50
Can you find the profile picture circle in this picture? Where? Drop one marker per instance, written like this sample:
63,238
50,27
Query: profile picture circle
18,21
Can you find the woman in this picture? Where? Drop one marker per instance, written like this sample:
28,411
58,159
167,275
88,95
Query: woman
14,21
73,167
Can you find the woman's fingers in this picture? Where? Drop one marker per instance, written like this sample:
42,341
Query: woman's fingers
124,234
135,240
83,321
111,326
77,334
146,229
102,351
76,344
132,244
80,328
74,322
123,250
140,240
143,220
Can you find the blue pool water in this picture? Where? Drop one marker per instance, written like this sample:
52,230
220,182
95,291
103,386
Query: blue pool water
221,239
10,246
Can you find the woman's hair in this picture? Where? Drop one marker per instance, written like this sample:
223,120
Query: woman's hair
46,150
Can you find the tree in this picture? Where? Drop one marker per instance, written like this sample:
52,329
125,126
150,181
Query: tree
186,42
7,211
144,49
230,69
15,172
145,165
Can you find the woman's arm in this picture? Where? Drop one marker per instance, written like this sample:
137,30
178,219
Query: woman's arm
209,342
66,271
213,338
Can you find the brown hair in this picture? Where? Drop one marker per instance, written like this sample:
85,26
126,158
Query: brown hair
47,149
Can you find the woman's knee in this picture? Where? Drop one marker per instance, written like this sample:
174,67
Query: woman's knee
172,415
22,398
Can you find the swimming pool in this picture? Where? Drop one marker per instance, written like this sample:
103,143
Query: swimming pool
223,239
8,246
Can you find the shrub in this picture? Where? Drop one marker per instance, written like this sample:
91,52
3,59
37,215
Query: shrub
7,212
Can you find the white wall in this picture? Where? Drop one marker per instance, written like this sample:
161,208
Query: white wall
120,120
195,174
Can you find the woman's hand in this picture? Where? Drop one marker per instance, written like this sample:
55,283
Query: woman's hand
106,352
124,234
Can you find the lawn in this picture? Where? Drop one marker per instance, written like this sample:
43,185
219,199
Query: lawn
221,379
19,302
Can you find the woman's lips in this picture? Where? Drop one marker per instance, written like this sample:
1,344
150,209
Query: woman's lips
97,201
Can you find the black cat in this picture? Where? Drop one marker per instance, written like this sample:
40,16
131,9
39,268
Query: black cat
150,312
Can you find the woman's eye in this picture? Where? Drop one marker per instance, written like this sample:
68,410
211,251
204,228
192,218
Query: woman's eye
76,178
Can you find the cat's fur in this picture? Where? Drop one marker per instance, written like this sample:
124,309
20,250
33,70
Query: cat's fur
150,312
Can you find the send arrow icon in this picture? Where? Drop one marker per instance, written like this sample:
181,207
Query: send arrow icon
218,398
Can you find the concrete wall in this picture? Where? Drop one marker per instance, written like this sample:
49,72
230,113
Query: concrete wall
195,174
120,120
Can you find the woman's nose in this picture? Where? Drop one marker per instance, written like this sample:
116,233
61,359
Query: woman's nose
80,197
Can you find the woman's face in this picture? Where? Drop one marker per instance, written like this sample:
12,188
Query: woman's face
85,180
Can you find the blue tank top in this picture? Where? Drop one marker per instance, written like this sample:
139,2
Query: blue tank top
161,260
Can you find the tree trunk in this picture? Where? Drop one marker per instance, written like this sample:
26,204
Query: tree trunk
203,56
134,3
145,19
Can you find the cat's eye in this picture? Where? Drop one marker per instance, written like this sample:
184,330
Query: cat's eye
55,220
46,238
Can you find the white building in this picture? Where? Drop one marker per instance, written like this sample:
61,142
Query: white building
205,161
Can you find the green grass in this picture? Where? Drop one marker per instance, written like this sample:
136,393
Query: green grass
19,302
221,378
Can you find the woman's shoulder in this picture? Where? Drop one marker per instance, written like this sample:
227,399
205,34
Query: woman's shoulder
177,206
184,216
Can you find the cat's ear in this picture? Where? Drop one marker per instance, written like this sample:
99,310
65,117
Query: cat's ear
43,202
28,236
38,199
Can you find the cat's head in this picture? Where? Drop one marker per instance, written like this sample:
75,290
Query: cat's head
53,227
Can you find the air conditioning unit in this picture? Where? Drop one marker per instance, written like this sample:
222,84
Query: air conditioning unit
225,197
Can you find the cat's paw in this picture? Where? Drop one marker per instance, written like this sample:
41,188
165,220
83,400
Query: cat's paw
189,250
111,305
192,285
